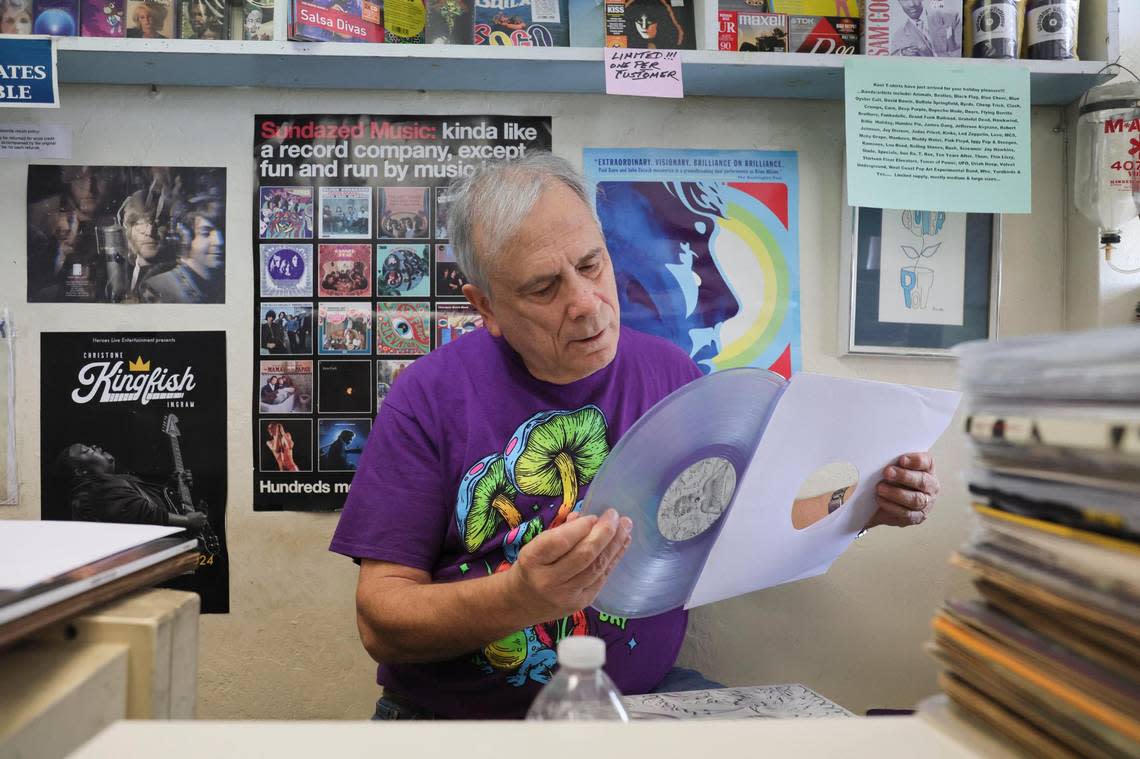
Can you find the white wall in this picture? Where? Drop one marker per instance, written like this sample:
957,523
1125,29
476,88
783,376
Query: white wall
289,648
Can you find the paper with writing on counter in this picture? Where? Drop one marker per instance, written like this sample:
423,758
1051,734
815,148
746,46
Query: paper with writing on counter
818,422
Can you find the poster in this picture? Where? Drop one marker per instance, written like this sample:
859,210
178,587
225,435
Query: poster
705,246
126,234
922,269
9,482
954,137
133,429
356,279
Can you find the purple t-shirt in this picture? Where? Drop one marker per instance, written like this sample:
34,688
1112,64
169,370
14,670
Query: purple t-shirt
465,436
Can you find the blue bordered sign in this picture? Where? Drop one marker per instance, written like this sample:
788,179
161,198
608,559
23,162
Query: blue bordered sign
28,73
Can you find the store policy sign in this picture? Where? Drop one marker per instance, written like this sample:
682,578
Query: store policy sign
28,73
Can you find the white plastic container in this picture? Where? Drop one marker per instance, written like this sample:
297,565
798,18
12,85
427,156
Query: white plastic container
1107,171
580,690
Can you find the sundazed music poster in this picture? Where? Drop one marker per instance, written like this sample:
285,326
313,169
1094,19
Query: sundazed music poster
133,429
356,279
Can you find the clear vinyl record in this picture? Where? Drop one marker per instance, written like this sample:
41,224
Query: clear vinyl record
674,473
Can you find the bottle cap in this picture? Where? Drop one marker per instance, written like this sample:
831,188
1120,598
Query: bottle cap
582,652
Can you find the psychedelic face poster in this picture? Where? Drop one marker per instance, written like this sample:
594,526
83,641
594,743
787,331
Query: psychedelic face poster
705,246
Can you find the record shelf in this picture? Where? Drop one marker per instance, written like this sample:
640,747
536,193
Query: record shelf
340,65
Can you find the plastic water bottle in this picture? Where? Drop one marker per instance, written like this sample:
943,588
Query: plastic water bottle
580,690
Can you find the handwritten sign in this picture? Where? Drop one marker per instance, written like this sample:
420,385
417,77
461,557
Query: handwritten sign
648,73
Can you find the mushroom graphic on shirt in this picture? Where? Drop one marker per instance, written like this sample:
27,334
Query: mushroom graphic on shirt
554,453
486,500
524,653
518,537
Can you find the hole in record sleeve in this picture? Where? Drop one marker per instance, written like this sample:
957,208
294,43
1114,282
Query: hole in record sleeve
696,498
824,492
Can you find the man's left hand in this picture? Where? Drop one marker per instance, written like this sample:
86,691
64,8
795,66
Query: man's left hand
906,494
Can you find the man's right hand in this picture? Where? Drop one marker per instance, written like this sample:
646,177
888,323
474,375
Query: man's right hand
563,570
194,520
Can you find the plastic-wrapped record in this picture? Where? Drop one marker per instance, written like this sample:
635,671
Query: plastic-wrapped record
674,473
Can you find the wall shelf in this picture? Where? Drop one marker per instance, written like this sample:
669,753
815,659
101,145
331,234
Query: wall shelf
483,69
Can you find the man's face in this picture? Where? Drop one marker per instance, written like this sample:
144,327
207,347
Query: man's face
197,17
66,229
85,188
141,238
553,296
92,458
208,245
912,8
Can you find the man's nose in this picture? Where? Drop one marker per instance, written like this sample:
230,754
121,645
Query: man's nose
583,301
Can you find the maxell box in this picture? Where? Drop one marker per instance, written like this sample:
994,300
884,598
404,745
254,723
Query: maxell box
834,35
742,25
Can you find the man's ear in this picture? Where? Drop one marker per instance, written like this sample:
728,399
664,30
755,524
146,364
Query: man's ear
480,301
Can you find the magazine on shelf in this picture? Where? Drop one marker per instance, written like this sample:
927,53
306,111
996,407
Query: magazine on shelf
524,23
449,22
329,21
653,24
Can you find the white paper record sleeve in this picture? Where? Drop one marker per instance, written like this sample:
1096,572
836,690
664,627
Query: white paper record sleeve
741,481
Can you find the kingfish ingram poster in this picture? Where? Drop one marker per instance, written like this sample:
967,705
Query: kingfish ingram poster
356,277
705,246
133,429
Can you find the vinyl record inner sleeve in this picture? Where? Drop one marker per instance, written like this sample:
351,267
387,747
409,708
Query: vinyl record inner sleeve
674,473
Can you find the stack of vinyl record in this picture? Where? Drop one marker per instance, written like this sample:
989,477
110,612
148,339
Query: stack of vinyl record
1049,657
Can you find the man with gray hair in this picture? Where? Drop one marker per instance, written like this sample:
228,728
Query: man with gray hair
475,561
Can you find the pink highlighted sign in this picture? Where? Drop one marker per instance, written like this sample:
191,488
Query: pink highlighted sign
647,73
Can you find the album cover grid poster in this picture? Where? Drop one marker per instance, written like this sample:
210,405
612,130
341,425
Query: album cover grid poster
133,429
126,234
356,279
705,246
